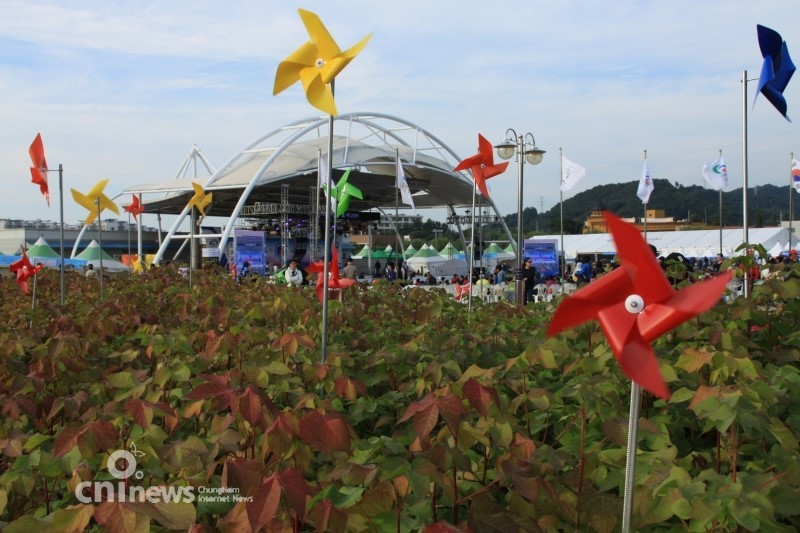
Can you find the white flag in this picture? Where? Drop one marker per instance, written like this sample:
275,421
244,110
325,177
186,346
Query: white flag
796,174
402,184
716,174
645,185
571,174
321,170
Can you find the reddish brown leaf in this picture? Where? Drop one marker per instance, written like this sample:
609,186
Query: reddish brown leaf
522,447
295,489
141,413
480,397
67,439
99,435
250,407
701,394
281,433
213,342
452,410
425,413
243,474
266,499
349,388
325,432
327,517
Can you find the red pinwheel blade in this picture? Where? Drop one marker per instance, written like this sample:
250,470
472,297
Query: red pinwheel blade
634,353
470,162
638,260
586,303
659,318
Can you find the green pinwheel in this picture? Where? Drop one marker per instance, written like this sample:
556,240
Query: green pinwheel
342,192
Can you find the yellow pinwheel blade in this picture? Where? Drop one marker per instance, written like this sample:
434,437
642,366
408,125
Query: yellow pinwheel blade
335,65
319,34
318,93
106,203
289,69
200,200
97,190
316,64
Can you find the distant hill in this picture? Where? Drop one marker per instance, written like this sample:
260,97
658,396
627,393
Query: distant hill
767,206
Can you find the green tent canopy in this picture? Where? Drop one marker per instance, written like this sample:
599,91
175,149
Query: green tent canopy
41,249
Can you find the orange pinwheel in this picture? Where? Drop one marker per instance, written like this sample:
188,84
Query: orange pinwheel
24,270
334,281
635,304
91,199
39,168
135,208
316,63
201,199
482,165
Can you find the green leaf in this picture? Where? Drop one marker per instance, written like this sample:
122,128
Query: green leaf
341,497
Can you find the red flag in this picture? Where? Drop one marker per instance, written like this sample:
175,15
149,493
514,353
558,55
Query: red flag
39,168
135,208
24,270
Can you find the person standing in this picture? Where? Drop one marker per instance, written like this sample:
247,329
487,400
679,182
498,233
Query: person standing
350,271
529,279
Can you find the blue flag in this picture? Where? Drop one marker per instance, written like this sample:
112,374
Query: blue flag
777,69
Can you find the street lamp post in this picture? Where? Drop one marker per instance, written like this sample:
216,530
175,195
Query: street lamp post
525,148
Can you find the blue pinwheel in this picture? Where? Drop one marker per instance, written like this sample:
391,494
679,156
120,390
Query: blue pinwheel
777,69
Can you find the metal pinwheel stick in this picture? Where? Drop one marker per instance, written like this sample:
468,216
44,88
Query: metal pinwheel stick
317,62
635,304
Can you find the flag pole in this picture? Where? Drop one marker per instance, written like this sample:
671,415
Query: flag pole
471,254
139,236
645,204
397,209
326,253
746,236
791,209
191,245
561,217
33,296
630,459
720,213
61,226
130,272
100,243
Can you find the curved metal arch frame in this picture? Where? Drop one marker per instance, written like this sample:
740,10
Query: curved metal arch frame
303,127
194,154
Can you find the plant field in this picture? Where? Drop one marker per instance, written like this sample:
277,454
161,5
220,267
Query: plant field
423,418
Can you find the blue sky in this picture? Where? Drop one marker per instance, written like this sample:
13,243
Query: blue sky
122,90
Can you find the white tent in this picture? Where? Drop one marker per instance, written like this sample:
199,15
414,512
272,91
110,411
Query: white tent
424,259
689,243
91,254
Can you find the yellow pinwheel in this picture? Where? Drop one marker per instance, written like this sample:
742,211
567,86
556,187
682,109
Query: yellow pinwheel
201,199
316,63
89,201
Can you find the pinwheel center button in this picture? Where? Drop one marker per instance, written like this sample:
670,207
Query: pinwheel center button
634,304
320,63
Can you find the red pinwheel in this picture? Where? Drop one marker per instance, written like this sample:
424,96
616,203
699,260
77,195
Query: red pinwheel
39,168
334,281
462,291
232,269
135,208
24,270
635,304
482,165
